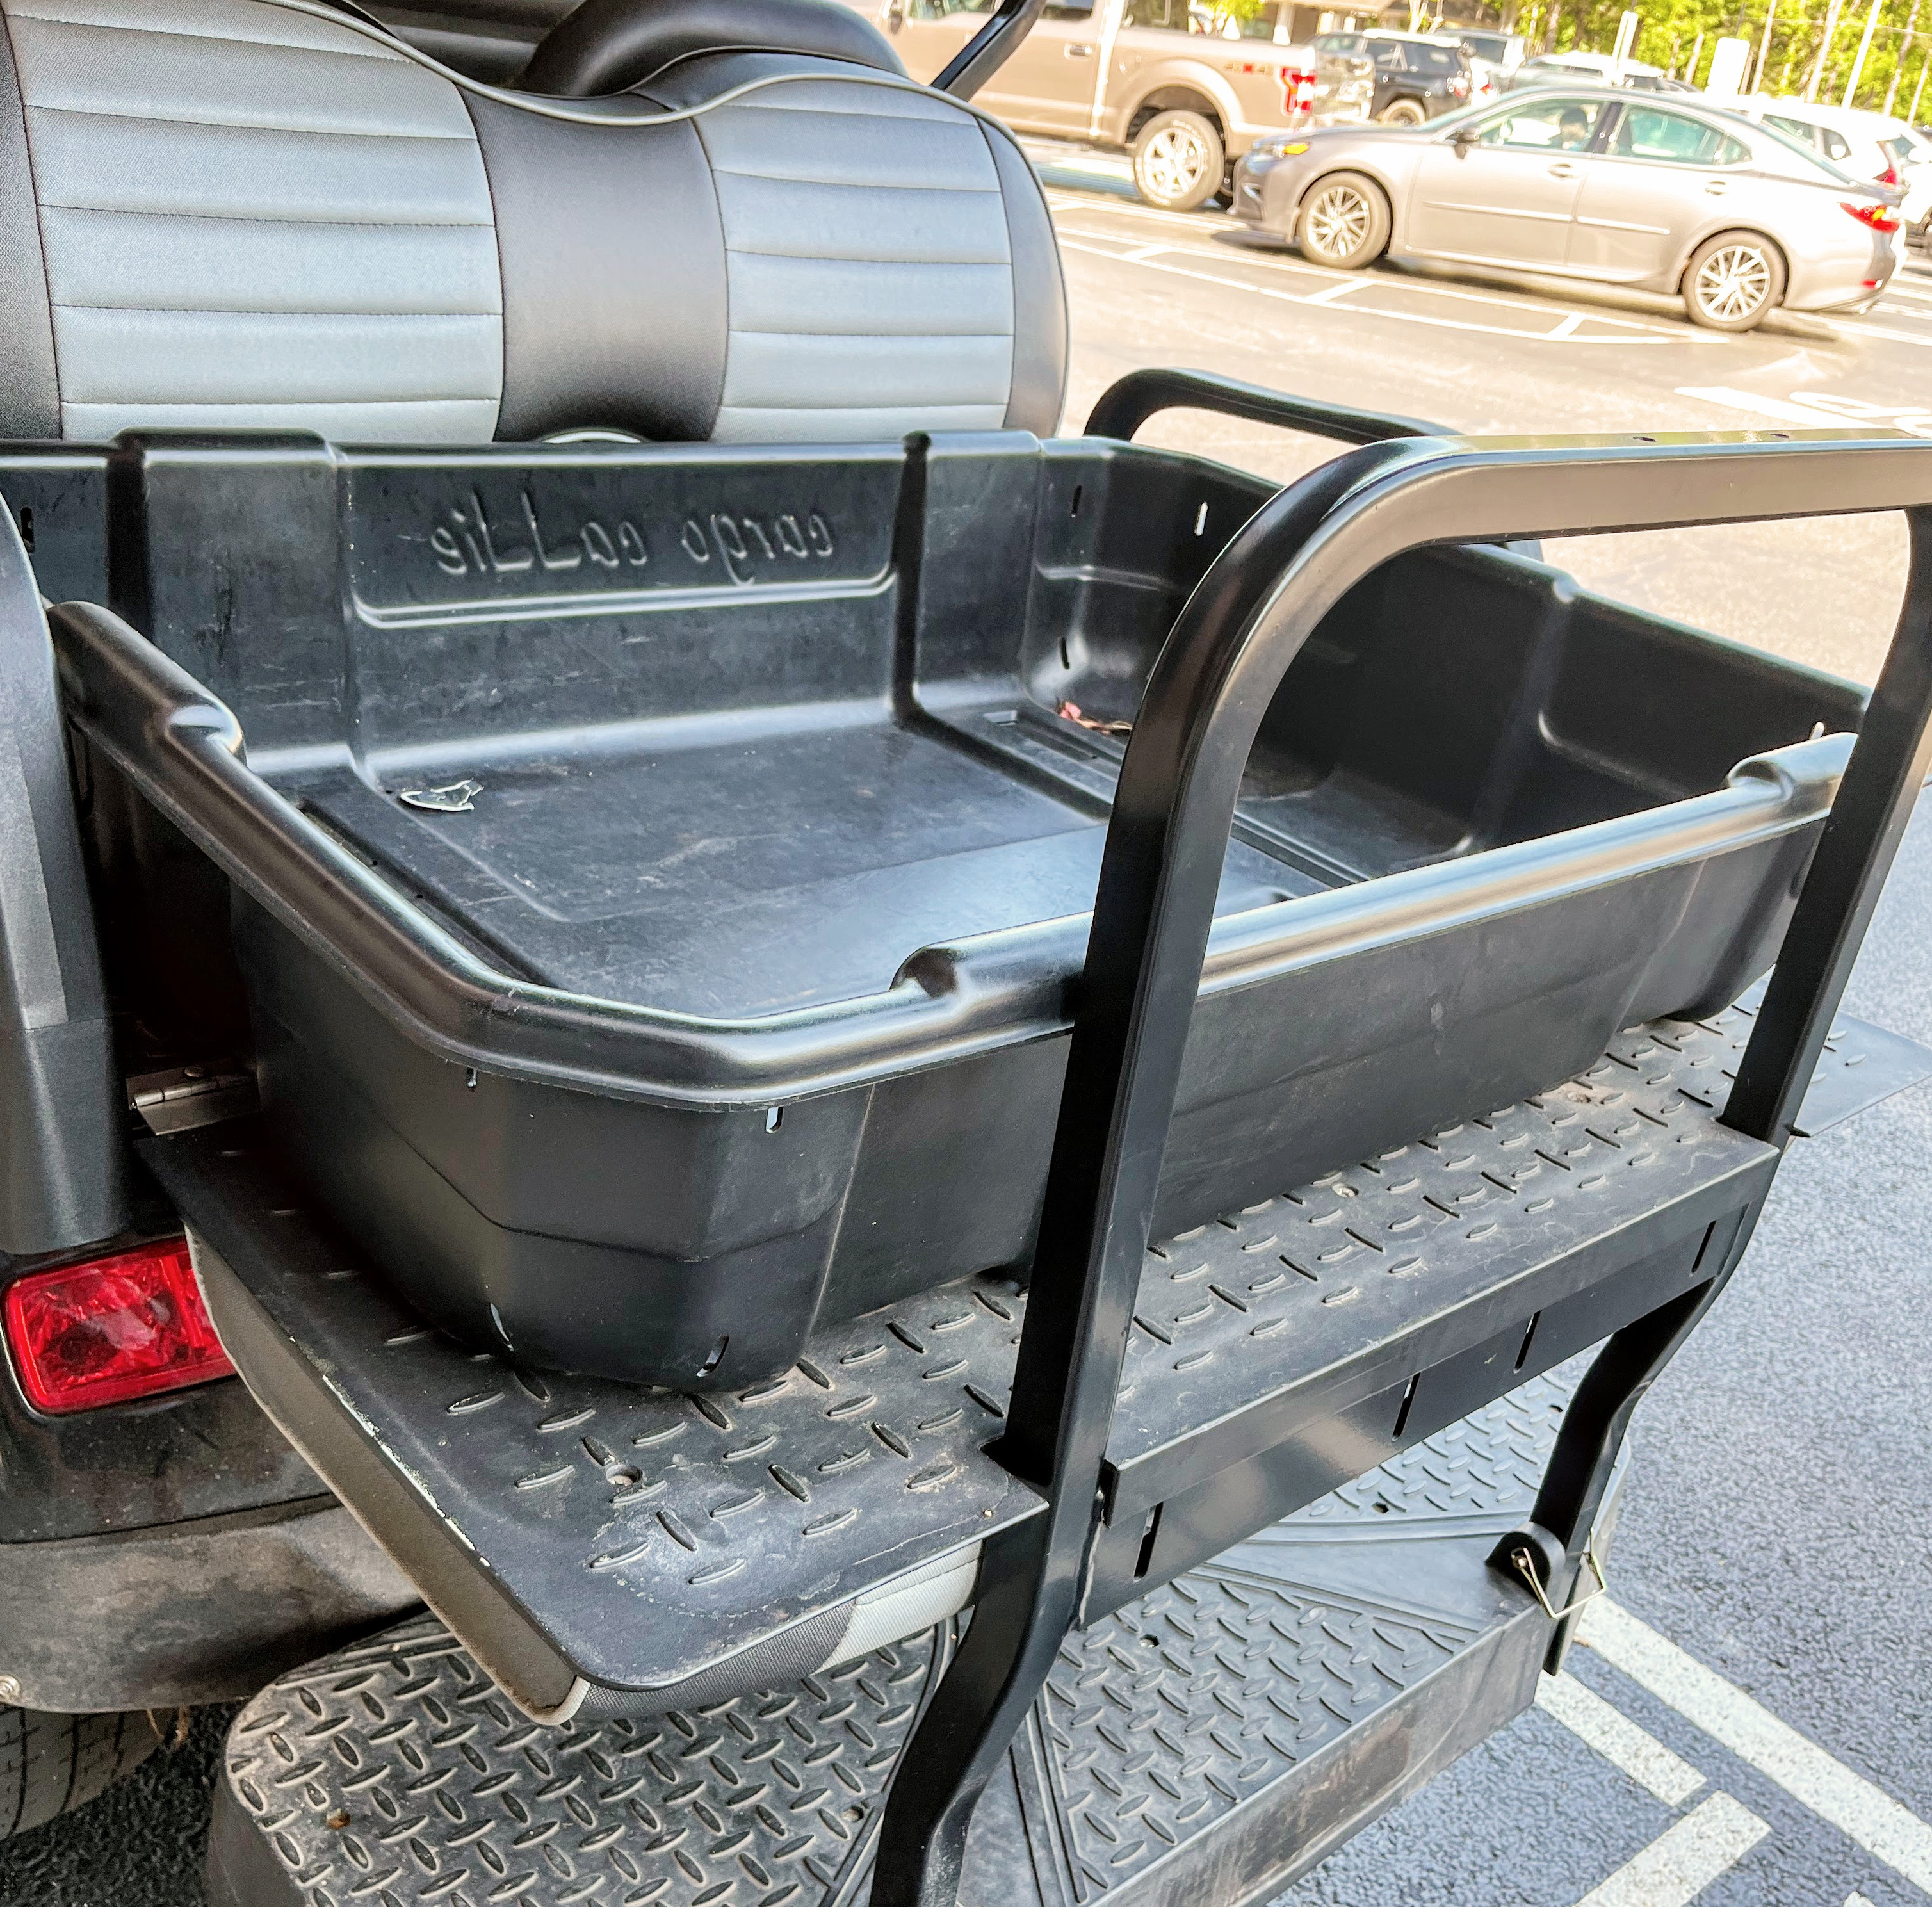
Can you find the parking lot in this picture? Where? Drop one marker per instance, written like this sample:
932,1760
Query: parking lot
1750,1722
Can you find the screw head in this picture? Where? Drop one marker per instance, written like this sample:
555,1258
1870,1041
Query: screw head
10,1688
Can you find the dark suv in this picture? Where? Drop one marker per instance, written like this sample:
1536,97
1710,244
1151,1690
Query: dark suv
1417,78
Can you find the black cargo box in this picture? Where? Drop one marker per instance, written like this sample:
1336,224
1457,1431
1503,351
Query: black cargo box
661,872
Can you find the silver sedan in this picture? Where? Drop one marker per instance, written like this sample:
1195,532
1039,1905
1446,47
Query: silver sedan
1674,197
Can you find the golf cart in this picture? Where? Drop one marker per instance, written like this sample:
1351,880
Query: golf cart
941,1161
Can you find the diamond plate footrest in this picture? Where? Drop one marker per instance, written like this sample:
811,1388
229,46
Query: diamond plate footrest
606,1549
1212,1739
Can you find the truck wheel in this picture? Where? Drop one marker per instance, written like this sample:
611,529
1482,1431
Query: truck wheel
1732,280
1402,113
1344,222
49,1764
1178,162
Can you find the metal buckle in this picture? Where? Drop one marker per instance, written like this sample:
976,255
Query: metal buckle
1525,1567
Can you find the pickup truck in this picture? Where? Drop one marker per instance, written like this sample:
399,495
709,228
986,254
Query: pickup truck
1185,90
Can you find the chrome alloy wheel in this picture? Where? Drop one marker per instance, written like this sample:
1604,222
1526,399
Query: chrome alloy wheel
1732,282
1175,161
1338,221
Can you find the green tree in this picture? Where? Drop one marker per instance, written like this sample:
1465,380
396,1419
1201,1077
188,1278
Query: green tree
1675,33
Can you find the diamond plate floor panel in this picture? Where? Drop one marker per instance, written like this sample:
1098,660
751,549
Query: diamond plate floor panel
1194,1736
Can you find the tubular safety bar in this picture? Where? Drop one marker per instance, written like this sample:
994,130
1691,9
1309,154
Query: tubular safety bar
1125,406
1209,690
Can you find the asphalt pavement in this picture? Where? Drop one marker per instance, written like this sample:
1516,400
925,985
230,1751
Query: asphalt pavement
1775,1536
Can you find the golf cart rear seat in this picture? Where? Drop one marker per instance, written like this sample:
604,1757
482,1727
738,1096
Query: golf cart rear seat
228,215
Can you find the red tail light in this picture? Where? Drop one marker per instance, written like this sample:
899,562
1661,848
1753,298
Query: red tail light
1458,86
112,1329
1889,176
1297,90
1880,218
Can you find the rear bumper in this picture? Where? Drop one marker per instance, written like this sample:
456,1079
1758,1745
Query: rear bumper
206,1611
1846,276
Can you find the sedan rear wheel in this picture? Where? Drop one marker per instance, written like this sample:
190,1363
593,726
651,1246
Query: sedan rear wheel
1178,162
1344,222
1732,280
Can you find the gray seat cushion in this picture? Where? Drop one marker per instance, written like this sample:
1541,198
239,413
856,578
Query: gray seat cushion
226,215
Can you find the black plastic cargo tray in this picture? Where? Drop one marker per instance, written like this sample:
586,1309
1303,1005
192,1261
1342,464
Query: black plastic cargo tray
661,872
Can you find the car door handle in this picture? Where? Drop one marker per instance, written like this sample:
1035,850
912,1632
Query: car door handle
1563,169
1717,188
1077,52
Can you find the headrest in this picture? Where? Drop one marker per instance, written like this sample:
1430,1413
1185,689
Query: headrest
605,46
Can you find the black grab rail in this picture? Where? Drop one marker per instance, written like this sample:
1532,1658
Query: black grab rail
1205,701
1128,404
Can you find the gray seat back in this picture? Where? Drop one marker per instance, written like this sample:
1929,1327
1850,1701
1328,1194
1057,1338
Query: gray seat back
226,214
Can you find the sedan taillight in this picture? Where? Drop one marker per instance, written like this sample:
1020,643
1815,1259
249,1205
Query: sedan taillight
1889,176
1880,218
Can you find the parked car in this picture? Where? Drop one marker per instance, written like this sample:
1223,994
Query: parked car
1870,146
1582,69
1419,77
1157,78
1676,198
1505,51
1493,58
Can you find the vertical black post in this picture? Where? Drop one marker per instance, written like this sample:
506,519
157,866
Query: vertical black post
1854,852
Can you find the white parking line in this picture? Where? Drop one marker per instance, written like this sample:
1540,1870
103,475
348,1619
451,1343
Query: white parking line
1618,1739
1194,221
1624,331
1816,410
1777,409
1862,328
1859,1808
1685,1859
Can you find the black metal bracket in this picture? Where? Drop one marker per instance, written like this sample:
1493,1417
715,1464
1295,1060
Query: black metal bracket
989,49
1210,688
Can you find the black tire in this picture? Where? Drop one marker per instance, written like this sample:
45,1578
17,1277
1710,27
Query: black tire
1733,281
49,1764
1178,160
1343,222
1403,112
